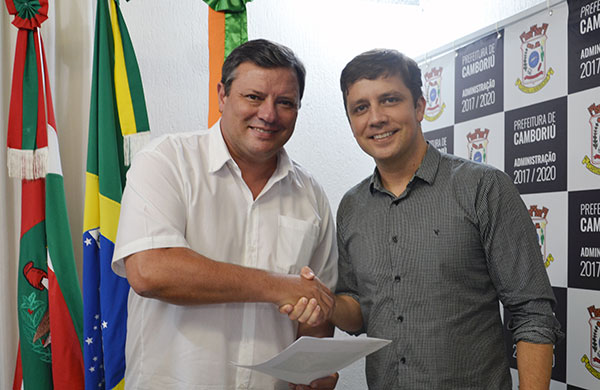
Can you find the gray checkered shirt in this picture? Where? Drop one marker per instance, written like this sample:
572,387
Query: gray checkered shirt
428,268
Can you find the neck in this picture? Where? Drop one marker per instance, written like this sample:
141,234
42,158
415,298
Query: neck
256,175
395,175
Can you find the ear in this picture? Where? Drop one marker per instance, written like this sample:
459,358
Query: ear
221,96
420,108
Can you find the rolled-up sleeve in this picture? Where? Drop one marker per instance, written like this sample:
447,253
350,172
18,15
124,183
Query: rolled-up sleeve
515,262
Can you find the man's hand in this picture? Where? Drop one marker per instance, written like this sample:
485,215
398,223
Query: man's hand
314,306
182,276
310,311
326,383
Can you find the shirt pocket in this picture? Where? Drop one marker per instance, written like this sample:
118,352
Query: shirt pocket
296,241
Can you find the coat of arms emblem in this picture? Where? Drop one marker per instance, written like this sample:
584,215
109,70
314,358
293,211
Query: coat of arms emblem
533,60
592,363
540,221
435,106
592,162
477,145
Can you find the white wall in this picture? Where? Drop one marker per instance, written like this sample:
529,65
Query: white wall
326,34
171,42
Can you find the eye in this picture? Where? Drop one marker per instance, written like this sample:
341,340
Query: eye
288,103
391,100
359,109
252,97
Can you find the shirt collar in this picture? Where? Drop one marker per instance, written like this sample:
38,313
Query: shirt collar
429,167
219,156
217,149
426,171
286,167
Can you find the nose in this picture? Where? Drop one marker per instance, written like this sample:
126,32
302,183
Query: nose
377,117
267,112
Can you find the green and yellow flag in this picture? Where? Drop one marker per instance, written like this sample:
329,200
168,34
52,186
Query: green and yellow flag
118,128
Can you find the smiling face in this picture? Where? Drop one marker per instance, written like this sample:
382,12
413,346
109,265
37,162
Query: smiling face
385,121
259,113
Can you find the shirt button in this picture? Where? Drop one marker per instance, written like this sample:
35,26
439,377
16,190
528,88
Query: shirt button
397,278
403,360
400,318
395,239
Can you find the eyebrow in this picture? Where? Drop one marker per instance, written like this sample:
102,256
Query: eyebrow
392,92
252,92
380,96
357,102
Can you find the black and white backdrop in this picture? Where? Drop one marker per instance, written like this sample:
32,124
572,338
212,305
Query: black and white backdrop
525,98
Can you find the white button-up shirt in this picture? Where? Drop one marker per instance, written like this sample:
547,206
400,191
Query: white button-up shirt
185,190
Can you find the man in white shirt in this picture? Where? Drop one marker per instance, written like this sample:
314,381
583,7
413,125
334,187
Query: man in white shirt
215,229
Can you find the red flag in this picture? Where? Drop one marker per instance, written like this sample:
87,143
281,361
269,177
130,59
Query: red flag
49,299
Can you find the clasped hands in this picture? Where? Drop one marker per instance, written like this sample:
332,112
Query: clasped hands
310,302
315,302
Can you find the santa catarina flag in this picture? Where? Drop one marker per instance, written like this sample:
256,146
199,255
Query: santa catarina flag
49,298
118,128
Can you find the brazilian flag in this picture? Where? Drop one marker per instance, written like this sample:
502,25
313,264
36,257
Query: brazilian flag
118,128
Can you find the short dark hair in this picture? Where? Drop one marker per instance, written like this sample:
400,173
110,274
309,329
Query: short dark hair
265,54
377,63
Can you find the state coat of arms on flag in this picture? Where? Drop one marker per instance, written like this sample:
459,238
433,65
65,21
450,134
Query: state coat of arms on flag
533,60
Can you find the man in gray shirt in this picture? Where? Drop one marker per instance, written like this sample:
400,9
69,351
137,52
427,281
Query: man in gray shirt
428,245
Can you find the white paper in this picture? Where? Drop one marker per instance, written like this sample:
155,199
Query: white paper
310,358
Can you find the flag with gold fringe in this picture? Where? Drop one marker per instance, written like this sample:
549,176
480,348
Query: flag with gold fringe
227,29
49,298
118,128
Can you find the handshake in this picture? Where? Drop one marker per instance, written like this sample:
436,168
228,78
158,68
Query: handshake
307,300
